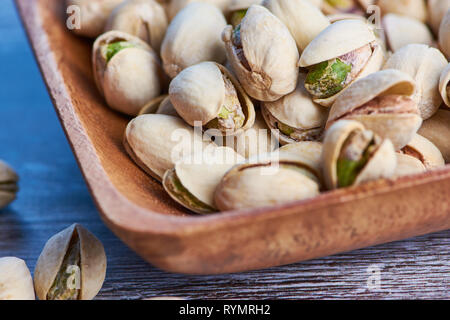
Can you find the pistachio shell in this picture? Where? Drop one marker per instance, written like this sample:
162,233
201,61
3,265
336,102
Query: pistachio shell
407,165
401,31
15,280
271,55
94,14
297,110
444,85
92,262
437,130
8,184
436,11
153,105
156,142
198,21
241,4
357,7
304,20
381,164
216,161
175,6
306,149
424,64
426,151
416,9
444,34
145,19
166,107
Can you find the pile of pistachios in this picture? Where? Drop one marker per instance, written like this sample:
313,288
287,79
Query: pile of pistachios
239,104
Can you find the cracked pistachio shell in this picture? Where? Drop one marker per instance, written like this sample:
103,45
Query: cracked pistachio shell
296,110
94,15
416,9
398,127
304,20
338,39
160,105
437,130
145,19
198,94
401,31
175,6
92,262
15,280
444,34
271,55
250,186
424,64
131,78
156,142
430,156
407,165
311,150
216,161
8,184
436,11
381,164
201,22
444,85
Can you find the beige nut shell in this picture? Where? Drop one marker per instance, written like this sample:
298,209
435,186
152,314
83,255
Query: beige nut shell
15,280
444,82
198,21
436,11
175,6
272,55
416,9
382,164
311,150
407,165
236,5
92,262
431,156
437,130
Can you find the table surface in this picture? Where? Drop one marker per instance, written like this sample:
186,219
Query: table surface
53,195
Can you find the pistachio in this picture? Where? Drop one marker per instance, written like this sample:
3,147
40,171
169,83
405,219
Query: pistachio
237,9
15,280
416,9
436,11
444,85
8,184
444,34
408,165
175,6
425,151
343,6
72,266
437,130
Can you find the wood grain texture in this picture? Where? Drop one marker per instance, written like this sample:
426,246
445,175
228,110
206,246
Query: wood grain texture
53,195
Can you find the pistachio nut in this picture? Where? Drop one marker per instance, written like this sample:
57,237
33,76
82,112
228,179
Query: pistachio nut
237,10
175,6
311,150
304,20
160,105
382,102
436,11
416,9
264,62
401,31
188,184
295,117
15,280
193,36
444,34
444,85
353,155
208,93
275,179
127,71
156,142
72,266
425,151
408,165
145,19
93,14
8,184
341,54
437,130
424,64
344,6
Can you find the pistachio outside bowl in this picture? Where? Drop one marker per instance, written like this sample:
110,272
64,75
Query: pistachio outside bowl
138,210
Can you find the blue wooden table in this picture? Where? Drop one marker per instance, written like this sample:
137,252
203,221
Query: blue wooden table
53,195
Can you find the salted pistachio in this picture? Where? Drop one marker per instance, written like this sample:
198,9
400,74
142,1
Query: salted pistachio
127,71
274,179
237,9
344,52
94,15
304,20
382,102
436,12
416,9
72,266
208,93
15,280
175,6
425,151
402,30
193,36
444,85
437,130
353,155
156,142
344,6
296,116
408,165
264,62
8,184
444,34
188,184
145,19
424,64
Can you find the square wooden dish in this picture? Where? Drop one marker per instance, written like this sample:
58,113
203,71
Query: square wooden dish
138,210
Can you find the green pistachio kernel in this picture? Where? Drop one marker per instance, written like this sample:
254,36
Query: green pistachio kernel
113,48
224,113
327,78
341,4
237,17
285,129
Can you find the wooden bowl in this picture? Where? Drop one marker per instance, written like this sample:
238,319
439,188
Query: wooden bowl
138,210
